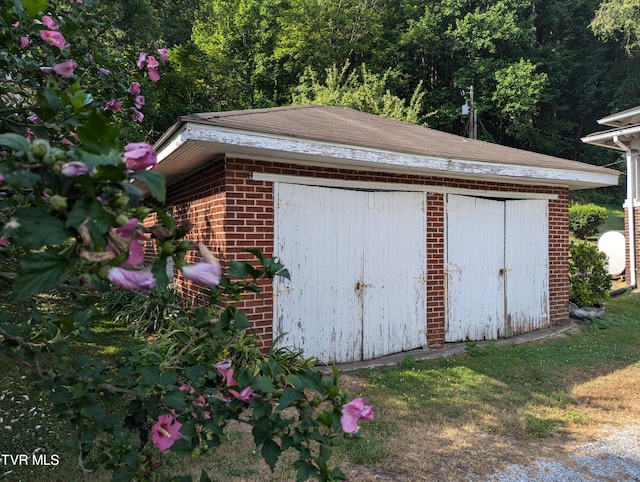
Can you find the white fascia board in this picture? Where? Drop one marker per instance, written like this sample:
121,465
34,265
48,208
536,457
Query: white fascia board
336,155
606,138
618,119
174,142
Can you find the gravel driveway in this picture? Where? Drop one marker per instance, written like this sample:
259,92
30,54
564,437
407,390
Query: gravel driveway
615,457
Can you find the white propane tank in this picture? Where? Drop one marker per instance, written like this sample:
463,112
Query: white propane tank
612,243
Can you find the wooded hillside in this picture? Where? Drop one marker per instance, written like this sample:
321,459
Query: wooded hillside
542,71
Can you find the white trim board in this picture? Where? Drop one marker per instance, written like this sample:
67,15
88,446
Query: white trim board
388,186
337,154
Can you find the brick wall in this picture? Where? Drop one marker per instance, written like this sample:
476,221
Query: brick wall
230,211
636,215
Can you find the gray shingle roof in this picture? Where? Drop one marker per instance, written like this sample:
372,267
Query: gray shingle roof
346,126
337,126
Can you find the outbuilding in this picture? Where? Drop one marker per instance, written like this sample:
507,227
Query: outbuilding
397,236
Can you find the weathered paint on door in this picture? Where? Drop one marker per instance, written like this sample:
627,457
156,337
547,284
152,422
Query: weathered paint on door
475,257
527,266
358,262
497,267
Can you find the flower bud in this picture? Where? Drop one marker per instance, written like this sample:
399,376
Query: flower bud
121,201
168,247
59,154
39,148
49,159
142,212
58,203
57,166
122,219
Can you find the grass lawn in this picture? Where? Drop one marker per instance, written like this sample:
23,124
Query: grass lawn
615,220
452,418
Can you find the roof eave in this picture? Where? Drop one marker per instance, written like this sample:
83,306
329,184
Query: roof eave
618,139
622,119
206,142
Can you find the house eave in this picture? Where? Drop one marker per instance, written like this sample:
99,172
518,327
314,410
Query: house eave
189,146
614,138
621,119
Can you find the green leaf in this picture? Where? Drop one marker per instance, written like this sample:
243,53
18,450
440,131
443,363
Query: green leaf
337,474
84,209
134,192
271,452
108,167
169,378
40,272
159,271
263,384
261,409
15,141
305,471
174,400
204,477
79,390
237,269
80,99
195,372
34,7
288,396
325,418
96,134
59,397
154,180
38,228
150,375
241,321
22,178
53,100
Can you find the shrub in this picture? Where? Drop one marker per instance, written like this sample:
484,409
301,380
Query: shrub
585,219
589,279
145,311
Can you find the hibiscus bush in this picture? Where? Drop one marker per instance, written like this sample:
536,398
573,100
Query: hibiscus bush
71,212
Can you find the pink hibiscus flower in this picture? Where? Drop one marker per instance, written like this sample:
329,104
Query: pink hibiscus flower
138,156
53,38
131,231
165,432
131,280
245,395
352,412
65,68
203,273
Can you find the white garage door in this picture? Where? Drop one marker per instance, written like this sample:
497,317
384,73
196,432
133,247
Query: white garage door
497,267
358,271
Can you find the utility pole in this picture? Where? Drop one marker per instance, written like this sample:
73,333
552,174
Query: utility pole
473,117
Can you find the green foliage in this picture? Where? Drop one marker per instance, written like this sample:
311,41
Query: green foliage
519,90
145,312
585,219
618,20
71,209
360,90
589,279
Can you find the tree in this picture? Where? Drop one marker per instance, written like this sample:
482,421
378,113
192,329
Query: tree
519,91
238,37
71,213
358,89
619,20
